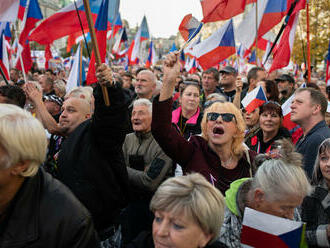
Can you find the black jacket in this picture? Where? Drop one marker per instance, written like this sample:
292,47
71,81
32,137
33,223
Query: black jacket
44,213
91,160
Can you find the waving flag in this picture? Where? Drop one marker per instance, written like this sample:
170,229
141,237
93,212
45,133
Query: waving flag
189,27
281,56
327,76
189,50
152,57
118,24
265,230
217,47
21,9
4,62
219,10
25,52
8,10
254,99
141,35
121,38
33,16
7,32
192,66
253,58
101,27
77,71
66,21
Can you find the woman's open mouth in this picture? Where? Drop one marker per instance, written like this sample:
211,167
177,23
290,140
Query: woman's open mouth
218,130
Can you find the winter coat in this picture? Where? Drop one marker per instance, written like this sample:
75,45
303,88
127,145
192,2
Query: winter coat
91,161
195,155
44,213
315,211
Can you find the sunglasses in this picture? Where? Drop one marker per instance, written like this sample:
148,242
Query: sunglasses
226,117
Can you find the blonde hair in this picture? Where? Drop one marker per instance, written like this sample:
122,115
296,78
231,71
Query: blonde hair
195,197
237,146
22,137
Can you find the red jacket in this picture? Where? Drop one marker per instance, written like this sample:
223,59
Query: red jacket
194,155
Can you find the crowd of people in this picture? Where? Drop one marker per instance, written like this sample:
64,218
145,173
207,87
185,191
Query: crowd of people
173,161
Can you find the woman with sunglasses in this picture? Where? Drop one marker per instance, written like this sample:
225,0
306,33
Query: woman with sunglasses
187,118
218,154
270,122
315,210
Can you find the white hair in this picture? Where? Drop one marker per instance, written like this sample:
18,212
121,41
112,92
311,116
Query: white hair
143,102
23,139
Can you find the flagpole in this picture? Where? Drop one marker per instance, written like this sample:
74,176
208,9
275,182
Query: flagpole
3,75
95,48
80,65
20,55
82,28
308,45
256,30
194,35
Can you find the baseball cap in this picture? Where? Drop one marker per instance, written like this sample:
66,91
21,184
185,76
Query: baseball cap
228,69
285,77
54,98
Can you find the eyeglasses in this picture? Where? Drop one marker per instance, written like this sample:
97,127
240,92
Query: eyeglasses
226,117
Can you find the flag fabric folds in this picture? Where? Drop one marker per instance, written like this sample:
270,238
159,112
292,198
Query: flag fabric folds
77,71
25,52
152,58
327,76
253,58
4,62
265,230
101,27
281,56
217,47
254,99
118,24
7,32
9,10
66,21
144,29
21,9
218,10
48,56
33,16
189,27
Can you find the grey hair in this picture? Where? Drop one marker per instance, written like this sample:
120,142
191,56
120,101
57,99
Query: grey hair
23,139
195,197
143,102
61,87
282,177
317,174
217,97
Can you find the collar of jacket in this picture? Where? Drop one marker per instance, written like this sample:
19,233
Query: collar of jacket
142,136
22,226
176,116
316,127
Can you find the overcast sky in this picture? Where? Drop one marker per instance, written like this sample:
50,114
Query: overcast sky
163,16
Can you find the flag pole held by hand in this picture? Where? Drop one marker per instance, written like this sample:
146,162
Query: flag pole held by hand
191,37
95,47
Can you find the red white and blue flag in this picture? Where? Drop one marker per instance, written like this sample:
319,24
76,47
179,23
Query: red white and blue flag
264,230
67,22
77,71
219,10
48,56
117,25
33,16
121,39
9,10
253,58
217,47
4,62
254,99
152,58
281,56
327,76
101,27
189,27
21,9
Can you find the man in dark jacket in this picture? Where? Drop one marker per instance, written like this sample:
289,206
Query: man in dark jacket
90,161
36,210
308,111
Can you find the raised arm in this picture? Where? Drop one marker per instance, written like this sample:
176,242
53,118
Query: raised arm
172,143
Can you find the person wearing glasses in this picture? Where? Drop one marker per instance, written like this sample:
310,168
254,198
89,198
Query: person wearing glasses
270,122
187,118
218,154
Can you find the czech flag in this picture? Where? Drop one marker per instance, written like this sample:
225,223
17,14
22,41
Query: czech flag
21,9
152,55
122,38
4,62
189,27
217,47
9,10
101,27
118,24
264,230
33,16
219,10
254,99
25,52
327,76
77,71
253,58
281,56
66,21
